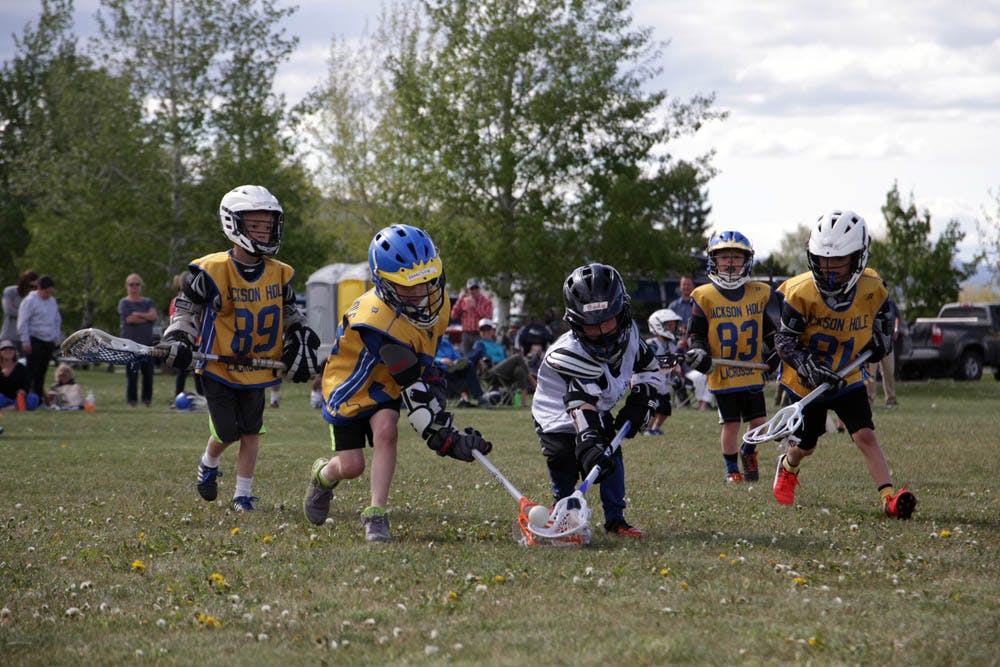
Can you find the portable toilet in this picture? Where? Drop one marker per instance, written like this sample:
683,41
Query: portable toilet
330,291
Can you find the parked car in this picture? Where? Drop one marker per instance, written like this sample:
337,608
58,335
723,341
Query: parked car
958,343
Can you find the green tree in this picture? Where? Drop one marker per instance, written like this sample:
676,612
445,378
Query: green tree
207,68
22,82
522,136
921,275
791,252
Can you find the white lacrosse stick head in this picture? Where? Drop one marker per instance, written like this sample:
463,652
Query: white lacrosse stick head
785,422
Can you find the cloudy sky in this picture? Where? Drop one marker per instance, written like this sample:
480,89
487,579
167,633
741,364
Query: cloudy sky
829,103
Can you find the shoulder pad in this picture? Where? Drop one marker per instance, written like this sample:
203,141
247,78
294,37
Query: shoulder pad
572,364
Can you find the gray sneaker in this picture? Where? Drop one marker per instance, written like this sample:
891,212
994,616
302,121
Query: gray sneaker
376,526
316,505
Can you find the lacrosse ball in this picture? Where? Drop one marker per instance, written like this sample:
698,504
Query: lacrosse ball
182,402
538,516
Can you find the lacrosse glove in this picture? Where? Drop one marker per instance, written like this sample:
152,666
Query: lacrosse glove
881,342
813,373
299,353
699,359
638,409
178,351
449,442
591,450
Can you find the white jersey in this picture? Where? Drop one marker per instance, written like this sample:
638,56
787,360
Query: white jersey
548,405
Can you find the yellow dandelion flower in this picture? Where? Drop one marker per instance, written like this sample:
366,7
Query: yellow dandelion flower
722,556
945,533
452,595
733,561
138,565
235,530
813,641
142,535
267,539
499,579
684,584
664,571
799,581
217,579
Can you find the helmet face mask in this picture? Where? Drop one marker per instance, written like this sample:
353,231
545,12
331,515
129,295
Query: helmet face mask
595,295
838,234
725,277
235,216
408,273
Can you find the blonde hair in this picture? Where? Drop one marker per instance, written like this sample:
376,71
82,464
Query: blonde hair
64,369
133,277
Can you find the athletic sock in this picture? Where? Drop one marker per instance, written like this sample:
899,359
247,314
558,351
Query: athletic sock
788,466
373,510
210,461
887,491
243,486
748,449
732,462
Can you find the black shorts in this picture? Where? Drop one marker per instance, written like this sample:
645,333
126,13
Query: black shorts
233,411
737,406
852,407
663,405
358,433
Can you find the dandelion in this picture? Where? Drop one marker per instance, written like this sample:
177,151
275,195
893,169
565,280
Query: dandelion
208,621
945,533
217,580
267,539
800,581
142,535
664,571
499,579
452,595
235,530
722,556
138,565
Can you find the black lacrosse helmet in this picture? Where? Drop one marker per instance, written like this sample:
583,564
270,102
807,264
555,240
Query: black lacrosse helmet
595,293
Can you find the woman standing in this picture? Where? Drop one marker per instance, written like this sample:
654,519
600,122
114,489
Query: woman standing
137,316
13,295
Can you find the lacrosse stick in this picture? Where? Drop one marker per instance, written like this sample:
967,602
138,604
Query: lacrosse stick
672,359
788,419
101,347
526,538
571,515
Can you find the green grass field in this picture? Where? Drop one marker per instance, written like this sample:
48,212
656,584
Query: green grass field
108,555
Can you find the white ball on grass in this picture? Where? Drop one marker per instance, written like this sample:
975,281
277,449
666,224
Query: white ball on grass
538,516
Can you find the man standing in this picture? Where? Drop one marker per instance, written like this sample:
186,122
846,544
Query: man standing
38,326
683,305
471,307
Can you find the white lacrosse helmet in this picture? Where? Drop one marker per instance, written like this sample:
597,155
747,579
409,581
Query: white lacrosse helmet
658,322
838,234
251,198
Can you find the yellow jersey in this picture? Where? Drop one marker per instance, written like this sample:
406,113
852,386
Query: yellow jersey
834,335
355,381
735,331
242,318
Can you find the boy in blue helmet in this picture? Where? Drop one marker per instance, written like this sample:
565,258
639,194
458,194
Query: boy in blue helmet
363,393
729,321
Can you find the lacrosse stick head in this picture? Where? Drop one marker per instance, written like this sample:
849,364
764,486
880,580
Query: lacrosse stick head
784,423
569,517
101,347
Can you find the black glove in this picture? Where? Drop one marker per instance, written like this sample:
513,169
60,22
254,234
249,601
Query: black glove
591,450
881,342
813,373
299,353
449,442
178,351
638,409
699,359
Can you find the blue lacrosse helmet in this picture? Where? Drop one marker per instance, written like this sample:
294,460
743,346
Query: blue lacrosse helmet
401,256
729,241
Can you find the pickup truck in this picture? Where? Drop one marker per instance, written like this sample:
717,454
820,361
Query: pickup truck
958,343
